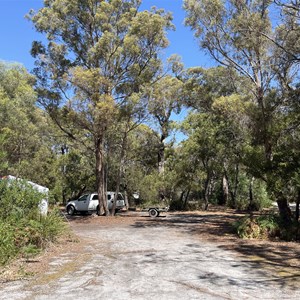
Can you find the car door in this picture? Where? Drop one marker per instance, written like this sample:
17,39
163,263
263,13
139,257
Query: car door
83,203
93,202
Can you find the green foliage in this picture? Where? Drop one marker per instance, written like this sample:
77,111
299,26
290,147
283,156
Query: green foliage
23,231
18,200
18,116
149,188
261,198
266,226
8,249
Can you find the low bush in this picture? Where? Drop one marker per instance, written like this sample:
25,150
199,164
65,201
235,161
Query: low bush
261,227
267,226
24,232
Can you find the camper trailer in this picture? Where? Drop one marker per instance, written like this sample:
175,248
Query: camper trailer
43,205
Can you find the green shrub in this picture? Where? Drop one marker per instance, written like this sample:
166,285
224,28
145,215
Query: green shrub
23,230
264,226
247,228
53,226
18,200
8,248
290,232
28,236
261,198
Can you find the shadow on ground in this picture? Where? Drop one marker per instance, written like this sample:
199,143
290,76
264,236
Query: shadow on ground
280,259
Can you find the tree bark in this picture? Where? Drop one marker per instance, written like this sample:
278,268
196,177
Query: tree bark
297,207
186,196
225,190
120,169
284,209
100,176
161,157
233,191
126,197
207,191
251,199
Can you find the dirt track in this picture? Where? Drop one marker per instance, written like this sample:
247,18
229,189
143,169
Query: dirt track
179,256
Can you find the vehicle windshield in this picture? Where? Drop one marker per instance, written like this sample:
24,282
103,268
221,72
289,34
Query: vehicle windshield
120,197
83,198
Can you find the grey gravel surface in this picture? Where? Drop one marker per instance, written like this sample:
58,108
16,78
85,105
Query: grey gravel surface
149,262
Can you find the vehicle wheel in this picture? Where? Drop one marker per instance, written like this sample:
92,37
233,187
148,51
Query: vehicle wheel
98,210
153,213
71,210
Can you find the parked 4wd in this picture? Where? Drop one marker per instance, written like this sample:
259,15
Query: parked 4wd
90,203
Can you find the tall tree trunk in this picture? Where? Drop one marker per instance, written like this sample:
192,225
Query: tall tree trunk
126,197
161,150
120,169
297,207
284,209
186,196
161,157
161,167
225,190
100,176
251,200
206,191
233,191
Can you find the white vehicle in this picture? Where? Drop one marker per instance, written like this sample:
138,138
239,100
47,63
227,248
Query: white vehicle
90,203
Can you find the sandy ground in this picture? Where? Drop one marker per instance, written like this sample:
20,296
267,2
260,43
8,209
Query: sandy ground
176,256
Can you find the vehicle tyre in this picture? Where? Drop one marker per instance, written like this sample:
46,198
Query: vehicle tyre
71,210
153,212
98,210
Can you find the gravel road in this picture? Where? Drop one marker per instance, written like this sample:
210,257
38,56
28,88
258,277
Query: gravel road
149,260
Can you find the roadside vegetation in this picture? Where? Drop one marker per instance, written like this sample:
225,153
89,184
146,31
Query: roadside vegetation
266,226
24,232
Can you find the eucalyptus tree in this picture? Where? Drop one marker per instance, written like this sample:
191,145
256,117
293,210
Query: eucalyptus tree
237,35
202,86
98,57
165,98
287,34
204,148
230,32
19,120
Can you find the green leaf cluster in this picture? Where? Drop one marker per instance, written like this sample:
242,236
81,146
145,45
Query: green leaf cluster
23,231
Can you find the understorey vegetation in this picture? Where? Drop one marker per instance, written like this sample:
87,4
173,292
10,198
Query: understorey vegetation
266,226
24,231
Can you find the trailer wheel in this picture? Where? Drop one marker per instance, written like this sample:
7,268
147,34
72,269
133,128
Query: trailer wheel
153,212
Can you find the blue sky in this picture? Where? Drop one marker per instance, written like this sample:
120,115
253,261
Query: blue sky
17,33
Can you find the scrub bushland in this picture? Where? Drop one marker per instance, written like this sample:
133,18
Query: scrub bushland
267,226
24,232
